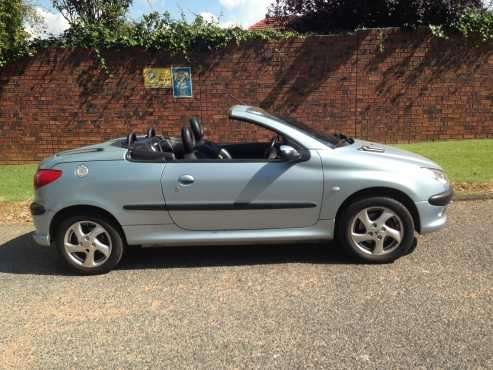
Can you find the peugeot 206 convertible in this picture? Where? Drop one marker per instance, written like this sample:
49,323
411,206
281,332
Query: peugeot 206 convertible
149,190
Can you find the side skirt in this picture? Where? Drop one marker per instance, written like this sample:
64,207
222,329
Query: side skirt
171,235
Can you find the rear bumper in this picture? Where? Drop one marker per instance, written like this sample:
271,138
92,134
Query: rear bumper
41,239
41,219
37,209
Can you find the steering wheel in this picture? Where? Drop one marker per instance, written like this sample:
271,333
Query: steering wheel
211,150
155,144
271,152
224,154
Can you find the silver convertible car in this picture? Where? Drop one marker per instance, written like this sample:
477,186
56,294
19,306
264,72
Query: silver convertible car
93,202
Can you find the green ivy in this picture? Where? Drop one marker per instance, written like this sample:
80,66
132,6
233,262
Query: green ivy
157,32
161,32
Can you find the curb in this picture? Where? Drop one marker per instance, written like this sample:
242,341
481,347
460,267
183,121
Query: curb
470,197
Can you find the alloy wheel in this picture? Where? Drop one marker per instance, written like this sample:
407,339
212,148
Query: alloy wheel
87,244
376,231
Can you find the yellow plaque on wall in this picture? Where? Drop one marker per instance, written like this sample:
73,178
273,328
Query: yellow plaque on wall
155,78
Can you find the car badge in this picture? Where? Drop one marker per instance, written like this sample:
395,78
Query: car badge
372,148
81,170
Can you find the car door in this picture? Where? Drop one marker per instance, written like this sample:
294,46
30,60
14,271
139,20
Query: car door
236,195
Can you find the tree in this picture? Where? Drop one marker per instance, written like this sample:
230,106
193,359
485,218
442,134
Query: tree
12,34
333,15
109,13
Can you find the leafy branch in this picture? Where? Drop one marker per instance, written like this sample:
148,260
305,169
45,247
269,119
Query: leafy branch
473,23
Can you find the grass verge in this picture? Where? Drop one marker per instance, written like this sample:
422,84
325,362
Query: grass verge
17,182
464,161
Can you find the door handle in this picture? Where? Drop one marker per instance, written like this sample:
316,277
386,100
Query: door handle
186,179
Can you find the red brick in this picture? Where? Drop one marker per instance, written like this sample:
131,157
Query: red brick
416,88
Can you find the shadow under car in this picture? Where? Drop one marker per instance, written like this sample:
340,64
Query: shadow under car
22,255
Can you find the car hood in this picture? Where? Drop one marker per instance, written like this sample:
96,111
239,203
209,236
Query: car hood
380,151
107,151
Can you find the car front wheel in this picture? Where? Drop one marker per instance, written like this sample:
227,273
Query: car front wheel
89,244
376,229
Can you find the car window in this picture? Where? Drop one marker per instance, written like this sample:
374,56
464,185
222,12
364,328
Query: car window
238,132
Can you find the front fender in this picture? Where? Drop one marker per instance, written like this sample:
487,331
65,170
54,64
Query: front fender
345,177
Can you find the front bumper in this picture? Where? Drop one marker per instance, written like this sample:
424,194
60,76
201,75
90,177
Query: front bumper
442,199
433,212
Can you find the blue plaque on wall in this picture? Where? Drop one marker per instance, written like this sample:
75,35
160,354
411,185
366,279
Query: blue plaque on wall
182,82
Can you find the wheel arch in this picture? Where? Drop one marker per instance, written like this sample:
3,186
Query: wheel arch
83,208
384,192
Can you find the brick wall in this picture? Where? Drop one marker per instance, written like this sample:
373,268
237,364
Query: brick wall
383,85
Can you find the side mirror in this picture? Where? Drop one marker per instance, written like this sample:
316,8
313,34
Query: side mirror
288,153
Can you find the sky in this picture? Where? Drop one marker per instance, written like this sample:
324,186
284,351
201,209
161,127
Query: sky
226,12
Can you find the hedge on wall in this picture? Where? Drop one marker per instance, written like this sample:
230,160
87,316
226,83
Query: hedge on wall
159,31
155,32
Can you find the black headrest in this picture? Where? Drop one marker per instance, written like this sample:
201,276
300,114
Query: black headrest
151,132
197,129
188,140
131,139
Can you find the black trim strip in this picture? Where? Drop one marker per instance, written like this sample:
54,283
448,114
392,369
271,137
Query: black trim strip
217,206
37,209
145,207
442,199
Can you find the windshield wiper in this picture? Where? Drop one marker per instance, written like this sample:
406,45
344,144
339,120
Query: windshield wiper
343,138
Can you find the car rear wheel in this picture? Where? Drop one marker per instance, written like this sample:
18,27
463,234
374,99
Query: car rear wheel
376,229
89,244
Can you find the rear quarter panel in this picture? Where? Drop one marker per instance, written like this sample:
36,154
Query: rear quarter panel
108,185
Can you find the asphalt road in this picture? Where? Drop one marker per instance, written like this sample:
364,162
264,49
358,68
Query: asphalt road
298,306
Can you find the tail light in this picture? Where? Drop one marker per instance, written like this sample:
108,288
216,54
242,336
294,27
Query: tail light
45,177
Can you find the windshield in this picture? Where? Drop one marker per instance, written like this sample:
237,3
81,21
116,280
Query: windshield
311,131
335,139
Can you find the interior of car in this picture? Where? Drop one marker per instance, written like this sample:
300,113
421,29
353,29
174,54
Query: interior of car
193,145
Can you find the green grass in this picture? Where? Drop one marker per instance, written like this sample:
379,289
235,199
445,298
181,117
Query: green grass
16,182
463,160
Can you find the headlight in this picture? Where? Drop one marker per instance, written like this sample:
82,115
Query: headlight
437,174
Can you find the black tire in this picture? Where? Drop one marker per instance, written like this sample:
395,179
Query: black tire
117,243
344,221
